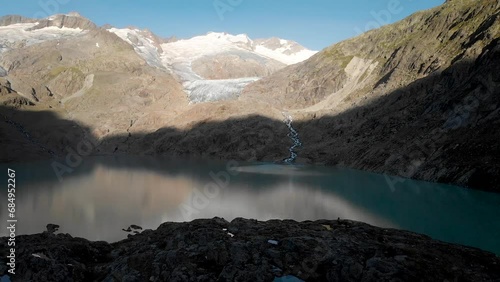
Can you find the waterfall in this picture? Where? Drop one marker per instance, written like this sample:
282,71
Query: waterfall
294,136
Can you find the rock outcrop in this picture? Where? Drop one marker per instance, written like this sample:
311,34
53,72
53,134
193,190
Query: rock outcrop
248,250
72,20
14,19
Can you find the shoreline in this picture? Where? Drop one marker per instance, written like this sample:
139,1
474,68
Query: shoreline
393,177
251,250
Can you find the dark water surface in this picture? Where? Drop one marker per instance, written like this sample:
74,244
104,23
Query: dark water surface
105,194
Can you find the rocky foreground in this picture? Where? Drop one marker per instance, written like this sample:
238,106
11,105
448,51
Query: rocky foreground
248,250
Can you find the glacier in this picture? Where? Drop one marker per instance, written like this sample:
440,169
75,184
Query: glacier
12,35
177,58
200,91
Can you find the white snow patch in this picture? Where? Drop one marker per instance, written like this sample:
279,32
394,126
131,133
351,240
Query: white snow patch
280,56
200,46
12,34
40,256
97,45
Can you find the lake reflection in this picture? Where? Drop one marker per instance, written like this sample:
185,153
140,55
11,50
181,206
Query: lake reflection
106,194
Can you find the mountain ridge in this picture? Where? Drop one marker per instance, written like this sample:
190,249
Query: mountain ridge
433,62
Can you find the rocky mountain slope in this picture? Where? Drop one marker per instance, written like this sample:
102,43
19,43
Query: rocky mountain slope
87,76
418,98
62,85
215,66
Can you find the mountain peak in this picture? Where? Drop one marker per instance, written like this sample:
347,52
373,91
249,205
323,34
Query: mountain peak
230,37
74,14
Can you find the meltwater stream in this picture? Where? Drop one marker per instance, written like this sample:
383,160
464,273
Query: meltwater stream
294,135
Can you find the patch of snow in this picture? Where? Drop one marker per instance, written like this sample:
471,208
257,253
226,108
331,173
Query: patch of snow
97,45
273,242
200,46
230,234
19,33
280,56
40,256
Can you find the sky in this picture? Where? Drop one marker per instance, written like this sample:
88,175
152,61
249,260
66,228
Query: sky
315,24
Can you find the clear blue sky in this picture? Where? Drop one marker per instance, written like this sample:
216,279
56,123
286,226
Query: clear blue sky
313,23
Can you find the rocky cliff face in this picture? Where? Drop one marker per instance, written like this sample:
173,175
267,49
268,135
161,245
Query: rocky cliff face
72,20
14,19
416,99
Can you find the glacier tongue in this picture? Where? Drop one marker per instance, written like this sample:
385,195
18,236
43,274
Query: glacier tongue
216,90
201,90
177,58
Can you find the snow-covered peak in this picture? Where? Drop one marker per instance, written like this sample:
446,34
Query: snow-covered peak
223,36
56,16
24,34
145,43
206,45
285,51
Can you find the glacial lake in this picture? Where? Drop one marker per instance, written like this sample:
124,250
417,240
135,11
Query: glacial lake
105,194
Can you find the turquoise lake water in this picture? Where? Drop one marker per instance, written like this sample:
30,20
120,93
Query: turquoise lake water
105,194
